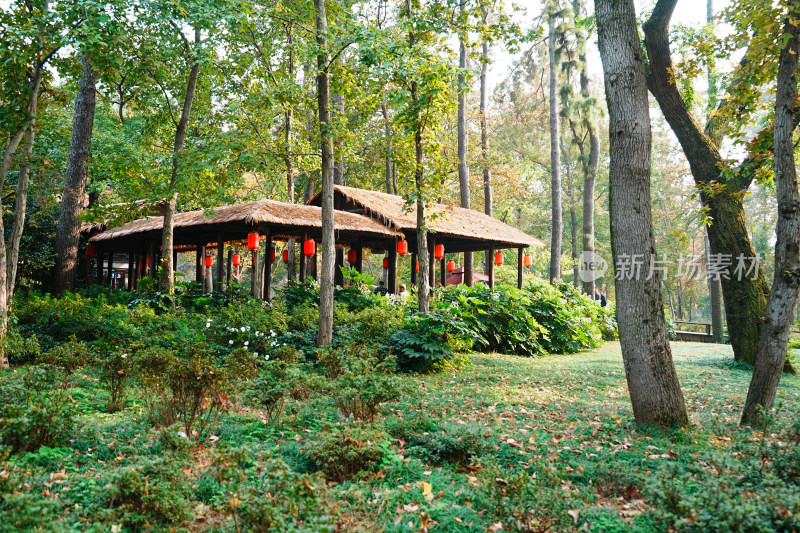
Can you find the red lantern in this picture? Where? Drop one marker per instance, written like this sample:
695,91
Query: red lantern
209,261
91,250
272,258
148,261
385,263
236,260
309,247
528,260
252,240
402,247
417,266
498,258
451,265
352,257
286,256
438,251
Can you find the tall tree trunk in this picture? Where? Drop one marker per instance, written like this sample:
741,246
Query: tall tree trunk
287,141
488,201
557,222
653,384
783,296
573,230
325,277
75,175
423,280
20,207
168,228
745,299
338,163
463,168
387,127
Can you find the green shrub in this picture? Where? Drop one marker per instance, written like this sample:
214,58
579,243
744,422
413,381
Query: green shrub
344,451
69,356
152,492
22,509
364,384
34,410
425,340
114,368
269,389
20,349
452,443
304,317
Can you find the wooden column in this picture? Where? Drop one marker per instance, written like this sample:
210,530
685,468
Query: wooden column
99,273
359,257
131,269
519,268
267,294
200,266
393,269
109,274
174,260
432,262
413,268
303,258
255,283
229,270
338,278
490,266
443,271
151,254
220,260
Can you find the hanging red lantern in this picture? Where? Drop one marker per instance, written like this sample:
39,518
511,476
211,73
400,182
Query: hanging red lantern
286,256
498,258
309,247
528,260
438,251
252,240
352,257
451,265
209,261
148,261
385,263
236,259
91,250
272,255
402,247
417,266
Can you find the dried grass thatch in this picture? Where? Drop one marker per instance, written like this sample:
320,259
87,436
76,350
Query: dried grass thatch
445,220
252,214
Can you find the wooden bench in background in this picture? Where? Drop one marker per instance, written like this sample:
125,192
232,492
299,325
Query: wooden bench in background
682,333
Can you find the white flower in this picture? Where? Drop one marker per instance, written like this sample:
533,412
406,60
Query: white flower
230,341
255,354
246,343
124,356
266,357
273,333
208,324
248,328
243,328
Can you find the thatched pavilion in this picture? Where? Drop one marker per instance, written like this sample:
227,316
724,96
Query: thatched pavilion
363,219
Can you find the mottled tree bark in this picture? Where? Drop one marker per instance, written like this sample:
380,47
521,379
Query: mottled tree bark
325,334
75,175
556,216
783,296
488,201
463,168
745,299
655,392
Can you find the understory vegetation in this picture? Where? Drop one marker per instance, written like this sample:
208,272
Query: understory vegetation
124,413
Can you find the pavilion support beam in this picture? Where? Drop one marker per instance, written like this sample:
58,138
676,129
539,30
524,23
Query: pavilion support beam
392,269
200,267
135,273
220,260
255,283
151,255
229,269
519,267
359,257
432,261
99,274
174,261
110,273
413,268
267,292
131,269
443,271
338,278
303,258
490,266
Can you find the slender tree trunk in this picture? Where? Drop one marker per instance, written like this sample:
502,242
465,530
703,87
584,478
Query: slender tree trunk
463,168
287,140
573,230
424,279
338,145
20,207
653,384
168,229
328,238
745,299
783,296
387,127
488,201
557,222
75,175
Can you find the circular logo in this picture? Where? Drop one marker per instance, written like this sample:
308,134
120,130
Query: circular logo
591,266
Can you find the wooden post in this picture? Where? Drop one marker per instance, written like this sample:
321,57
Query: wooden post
303,258
174,260
432,262
443,271
338,278
200,265
229,271
359,257
255,284
393,269
151,254
413,268
109,274
220,260
99,273
490,266
519,268
267,293
131,269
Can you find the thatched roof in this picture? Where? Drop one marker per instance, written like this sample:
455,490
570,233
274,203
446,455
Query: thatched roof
444,220
270,212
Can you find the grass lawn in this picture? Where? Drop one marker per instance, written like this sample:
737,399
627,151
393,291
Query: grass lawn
503,443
